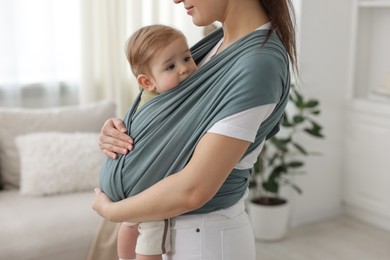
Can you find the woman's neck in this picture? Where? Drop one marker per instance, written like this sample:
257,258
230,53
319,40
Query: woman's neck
242,17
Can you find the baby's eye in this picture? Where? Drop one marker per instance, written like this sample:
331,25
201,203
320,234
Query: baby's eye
188,58
171,67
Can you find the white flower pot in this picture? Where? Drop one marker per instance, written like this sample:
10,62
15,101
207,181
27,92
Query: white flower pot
269,223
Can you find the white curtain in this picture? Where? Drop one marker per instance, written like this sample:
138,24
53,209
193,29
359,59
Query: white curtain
50,49
39,50
105,74
74,48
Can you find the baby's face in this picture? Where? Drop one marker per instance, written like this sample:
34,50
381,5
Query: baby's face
171,65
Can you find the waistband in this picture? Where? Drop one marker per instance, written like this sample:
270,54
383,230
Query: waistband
222,214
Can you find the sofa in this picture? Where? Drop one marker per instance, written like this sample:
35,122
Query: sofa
49,165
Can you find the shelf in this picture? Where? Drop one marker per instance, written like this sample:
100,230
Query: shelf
374,4
371,77
373,107
367,120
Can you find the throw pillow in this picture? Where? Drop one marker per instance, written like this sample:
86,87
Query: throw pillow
58,163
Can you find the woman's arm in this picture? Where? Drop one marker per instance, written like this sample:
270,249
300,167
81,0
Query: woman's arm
212,161
113,138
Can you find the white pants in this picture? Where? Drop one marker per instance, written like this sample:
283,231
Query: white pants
221,235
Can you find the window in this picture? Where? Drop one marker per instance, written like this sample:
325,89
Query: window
40,44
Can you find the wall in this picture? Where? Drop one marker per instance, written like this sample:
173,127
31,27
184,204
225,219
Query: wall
324,56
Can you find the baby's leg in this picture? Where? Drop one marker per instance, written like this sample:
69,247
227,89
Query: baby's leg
127,238
153,240
149,257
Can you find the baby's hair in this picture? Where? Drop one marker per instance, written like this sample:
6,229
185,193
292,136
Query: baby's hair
146,42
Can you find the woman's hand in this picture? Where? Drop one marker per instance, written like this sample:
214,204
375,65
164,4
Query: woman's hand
113,138
101,203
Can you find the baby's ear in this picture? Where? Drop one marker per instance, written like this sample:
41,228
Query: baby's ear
145,82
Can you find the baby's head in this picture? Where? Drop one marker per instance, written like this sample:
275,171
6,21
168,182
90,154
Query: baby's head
159,57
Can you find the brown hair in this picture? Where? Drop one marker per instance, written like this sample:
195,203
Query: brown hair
145,43
282,16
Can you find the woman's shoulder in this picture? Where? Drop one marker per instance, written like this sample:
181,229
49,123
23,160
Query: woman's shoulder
263,58
267,44
266,64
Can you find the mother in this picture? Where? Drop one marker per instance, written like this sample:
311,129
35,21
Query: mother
223,232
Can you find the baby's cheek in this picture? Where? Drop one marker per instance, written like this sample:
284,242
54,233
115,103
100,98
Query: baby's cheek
173,82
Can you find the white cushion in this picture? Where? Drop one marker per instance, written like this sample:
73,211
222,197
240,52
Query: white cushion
58,163
19,121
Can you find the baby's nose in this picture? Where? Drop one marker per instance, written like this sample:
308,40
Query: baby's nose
184,69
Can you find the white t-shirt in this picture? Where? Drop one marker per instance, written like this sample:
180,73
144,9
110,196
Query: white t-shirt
243,125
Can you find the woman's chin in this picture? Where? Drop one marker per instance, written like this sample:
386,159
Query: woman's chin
199,23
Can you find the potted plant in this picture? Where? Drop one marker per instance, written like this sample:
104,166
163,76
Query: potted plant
282,156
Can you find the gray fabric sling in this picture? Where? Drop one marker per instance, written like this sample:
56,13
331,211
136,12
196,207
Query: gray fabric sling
167,128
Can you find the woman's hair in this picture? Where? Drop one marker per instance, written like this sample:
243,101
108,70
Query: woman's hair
143,44
282,16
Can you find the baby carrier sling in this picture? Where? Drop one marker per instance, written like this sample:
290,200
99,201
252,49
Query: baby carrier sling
249,73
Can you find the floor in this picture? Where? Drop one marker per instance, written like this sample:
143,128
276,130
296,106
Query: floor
341,238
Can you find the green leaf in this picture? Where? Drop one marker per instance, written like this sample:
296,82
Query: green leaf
297,94
298,100
292,98
313,132
252,184
315,112
295,164
300,148
286,122
296,188
259,165
315,129
312,103
277,171
281,143
315,125
271,186
300,104
298,119
273,159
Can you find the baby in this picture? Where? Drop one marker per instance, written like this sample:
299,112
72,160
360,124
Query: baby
160,59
